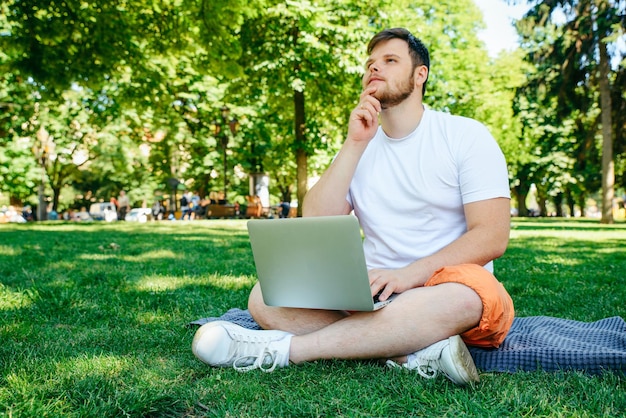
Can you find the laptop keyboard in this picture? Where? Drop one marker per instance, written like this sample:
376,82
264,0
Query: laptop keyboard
376,296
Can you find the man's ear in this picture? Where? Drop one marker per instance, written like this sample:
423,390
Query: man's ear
420,75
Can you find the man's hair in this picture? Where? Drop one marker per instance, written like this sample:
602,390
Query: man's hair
417,50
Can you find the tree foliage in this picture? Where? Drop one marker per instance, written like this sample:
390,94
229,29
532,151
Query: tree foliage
572,43
131,93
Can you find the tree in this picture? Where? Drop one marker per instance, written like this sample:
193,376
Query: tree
588,31
18,176
313,53
153,80
556,154
301,60
139,58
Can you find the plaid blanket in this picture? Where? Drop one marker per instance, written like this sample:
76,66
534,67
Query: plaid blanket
550,344
533,343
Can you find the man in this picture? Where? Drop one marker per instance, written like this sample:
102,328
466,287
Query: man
123,203
432,196
185,208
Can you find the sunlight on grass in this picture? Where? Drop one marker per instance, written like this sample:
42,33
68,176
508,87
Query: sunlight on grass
10,251
13,300
556,260
96,256
99,365
569,234
145,318
229,282
156,284
154,255
144,257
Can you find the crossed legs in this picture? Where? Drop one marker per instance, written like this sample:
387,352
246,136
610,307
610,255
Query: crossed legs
415,319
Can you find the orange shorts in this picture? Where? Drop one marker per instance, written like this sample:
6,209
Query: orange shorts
498,311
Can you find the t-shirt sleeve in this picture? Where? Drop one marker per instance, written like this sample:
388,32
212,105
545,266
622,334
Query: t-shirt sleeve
483,172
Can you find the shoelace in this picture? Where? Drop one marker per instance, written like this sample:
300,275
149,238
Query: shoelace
426,360
259,361
424,370
250,352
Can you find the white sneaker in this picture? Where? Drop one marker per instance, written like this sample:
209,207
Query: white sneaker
224,344
451,357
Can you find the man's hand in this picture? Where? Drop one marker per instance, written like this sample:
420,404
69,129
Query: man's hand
364,118
390,281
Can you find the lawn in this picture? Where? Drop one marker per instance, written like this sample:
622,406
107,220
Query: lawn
93,324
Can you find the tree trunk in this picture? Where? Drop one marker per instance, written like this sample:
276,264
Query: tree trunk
521,189
582,203
300,146
608,168
542,199
520,195
558,205
56,192
300,140
571,203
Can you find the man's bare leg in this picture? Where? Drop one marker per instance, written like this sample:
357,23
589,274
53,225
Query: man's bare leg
414,320
294,320
419,329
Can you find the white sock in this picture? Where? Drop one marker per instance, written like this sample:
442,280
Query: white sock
410,358
283,347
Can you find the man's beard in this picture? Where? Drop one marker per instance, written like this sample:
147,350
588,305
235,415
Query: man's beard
393,98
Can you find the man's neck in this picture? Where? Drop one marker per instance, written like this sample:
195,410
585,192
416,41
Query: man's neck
399,121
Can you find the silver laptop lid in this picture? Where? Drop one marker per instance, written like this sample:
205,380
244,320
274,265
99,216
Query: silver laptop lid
313,262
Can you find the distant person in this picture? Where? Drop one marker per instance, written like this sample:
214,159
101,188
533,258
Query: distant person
123,205
13,216
196,206
221,198
284,209
255,208
83,215
158,210
185,207
27,213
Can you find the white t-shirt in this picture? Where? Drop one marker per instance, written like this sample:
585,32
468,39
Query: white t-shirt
409,193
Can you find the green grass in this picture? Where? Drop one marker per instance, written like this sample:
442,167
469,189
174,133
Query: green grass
90,329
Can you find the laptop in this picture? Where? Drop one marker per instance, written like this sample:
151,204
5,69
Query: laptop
312,262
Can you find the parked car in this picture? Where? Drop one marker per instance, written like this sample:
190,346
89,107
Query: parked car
104,211
139,215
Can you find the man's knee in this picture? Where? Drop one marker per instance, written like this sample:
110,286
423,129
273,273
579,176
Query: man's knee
456,304
467,304
255,300
498,311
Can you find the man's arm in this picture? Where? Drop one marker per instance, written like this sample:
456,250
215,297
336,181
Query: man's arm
328,196
487,236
